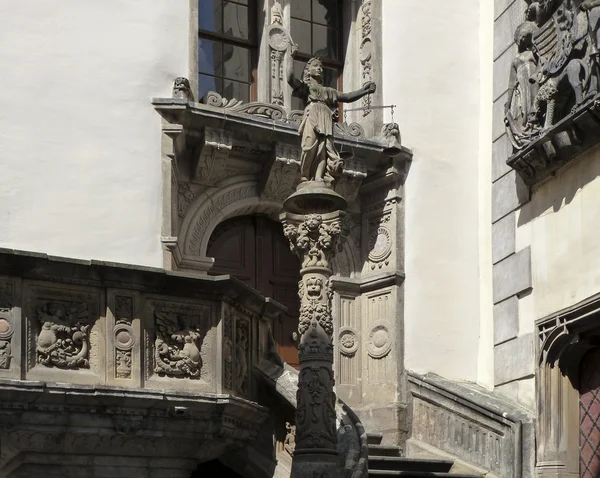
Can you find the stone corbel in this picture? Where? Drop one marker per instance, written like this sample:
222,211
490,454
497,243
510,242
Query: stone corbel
284,173
209,162
352,178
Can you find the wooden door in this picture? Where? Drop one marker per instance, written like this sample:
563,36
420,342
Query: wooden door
589,415
254,249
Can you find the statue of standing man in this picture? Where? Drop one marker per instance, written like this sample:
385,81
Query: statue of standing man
320,160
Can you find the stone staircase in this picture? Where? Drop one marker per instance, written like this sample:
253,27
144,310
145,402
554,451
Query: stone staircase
385,460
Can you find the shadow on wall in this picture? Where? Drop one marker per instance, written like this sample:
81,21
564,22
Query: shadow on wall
562,187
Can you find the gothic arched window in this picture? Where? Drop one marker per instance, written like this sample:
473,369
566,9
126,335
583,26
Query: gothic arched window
226,47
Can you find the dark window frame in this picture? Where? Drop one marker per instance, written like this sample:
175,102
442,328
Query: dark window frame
328,63
251,44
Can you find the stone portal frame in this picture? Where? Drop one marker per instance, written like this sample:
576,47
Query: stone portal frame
563,340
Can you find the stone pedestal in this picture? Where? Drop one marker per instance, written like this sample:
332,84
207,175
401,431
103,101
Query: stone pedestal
313,224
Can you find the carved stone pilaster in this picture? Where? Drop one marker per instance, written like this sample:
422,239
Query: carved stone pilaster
284,173
279,39
366,51
210,159
313,237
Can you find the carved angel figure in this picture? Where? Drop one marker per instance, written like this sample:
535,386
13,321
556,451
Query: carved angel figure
63,339
177,346
320,160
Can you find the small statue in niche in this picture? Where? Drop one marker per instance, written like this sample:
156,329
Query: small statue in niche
320,160
520,108
289,444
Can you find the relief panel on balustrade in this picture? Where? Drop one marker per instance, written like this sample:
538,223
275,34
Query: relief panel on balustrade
65,330
180,345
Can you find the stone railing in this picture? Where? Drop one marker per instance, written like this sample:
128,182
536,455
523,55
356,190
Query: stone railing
486,433
102,359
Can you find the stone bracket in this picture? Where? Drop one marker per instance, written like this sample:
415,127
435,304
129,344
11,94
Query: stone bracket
209,162
284,173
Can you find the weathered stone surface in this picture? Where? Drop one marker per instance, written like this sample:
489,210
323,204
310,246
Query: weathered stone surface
501,150
514,359
508,194
512,276
504,238
501,66
498,128
504,27
472,424
506,320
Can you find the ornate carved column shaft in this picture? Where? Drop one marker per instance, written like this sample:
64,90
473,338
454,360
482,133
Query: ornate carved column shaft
313,237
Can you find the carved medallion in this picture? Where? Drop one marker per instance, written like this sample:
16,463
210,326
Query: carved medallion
348,341
379,343
380,245
278,38
6,333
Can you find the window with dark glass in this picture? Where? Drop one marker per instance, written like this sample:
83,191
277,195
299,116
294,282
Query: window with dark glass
316,28
226,48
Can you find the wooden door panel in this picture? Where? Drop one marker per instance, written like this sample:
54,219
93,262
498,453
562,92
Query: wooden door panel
254,249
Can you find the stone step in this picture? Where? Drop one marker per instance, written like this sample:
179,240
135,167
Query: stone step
374,438
393,463
418,474
384,450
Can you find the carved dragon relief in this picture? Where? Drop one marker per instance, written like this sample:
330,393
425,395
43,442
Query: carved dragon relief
178,342
63,340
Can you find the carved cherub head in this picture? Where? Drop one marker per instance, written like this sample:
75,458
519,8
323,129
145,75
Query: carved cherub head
314,286
524,35
313,70
313,222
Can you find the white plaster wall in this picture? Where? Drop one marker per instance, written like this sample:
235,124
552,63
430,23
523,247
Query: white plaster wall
437,69
561,224
79,139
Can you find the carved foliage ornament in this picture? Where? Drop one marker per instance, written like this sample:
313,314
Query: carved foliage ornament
556,68
313,240
63,340
178,342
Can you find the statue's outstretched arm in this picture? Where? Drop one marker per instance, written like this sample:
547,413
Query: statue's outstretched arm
294,82
352,96
590,4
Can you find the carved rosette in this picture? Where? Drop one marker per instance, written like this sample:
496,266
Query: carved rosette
63,340
124,336
178,341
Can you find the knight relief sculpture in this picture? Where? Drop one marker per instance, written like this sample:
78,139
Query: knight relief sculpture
555,70
320,161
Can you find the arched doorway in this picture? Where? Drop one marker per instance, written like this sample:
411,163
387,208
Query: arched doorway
589,415
254,249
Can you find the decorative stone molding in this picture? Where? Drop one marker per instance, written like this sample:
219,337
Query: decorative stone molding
228,348
564,338
210,159
348,341
279,41
284,173
7,330
242,356
550,113
472,424
366,50
124,336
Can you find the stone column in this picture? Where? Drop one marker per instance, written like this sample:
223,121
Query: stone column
313,224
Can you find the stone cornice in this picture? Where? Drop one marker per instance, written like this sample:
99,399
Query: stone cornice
258,127
37,266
